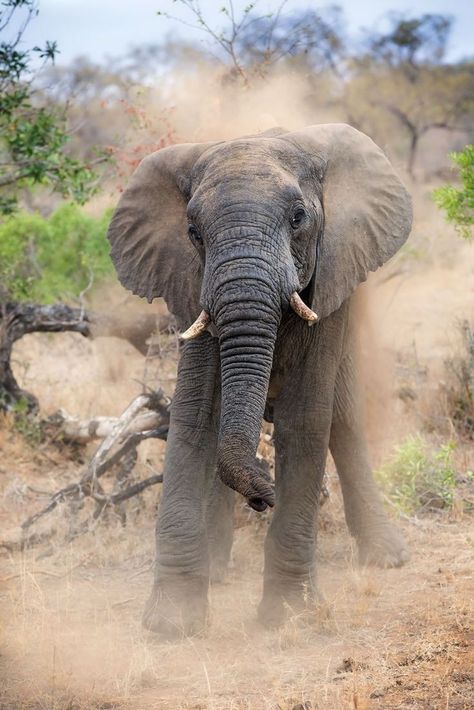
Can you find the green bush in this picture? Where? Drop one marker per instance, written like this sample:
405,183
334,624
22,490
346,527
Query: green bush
417,478
458,202
46,259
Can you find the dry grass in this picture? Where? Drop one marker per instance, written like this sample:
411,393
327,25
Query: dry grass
73,639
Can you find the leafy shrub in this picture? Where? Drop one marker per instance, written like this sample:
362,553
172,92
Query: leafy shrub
27,423
45,259
33,137
458,202
417,478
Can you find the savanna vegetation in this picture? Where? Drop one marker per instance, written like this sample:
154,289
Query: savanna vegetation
70,136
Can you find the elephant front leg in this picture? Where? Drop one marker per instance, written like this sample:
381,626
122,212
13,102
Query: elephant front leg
379,542
178,602
302,421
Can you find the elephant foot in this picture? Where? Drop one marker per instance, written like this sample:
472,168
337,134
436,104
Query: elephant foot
177,607
383,548
282,602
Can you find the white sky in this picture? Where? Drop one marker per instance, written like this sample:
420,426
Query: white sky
99,28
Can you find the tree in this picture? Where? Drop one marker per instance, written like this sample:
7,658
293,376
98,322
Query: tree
43,260
33,136
403,75
251,44
37,258
412,42
46,259
313,37
458,202
96,96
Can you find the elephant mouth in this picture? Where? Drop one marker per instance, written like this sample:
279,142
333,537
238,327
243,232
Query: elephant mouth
203,320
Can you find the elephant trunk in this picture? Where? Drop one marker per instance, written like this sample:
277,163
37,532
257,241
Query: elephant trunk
246,311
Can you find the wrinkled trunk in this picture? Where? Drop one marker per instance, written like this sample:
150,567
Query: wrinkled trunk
246,312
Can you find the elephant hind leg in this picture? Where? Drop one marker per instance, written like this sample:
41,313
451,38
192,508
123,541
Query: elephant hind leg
379,542
220,528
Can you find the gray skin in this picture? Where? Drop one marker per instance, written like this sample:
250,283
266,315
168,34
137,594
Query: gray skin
235,228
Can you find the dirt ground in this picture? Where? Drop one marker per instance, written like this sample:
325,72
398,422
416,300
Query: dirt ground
388,639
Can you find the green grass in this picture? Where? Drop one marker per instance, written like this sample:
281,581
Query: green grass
417,478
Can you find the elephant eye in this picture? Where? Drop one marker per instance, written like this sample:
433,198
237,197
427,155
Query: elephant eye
194,234
297,217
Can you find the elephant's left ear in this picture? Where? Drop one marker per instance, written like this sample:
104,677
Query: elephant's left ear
367,210
148,232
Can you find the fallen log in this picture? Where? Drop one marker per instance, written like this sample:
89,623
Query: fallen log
82,431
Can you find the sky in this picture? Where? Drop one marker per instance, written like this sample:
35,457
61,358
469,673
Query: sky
101,28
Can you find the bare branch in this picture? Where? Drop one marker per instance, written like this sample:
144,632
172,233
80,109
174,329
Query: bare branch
85,430
124,438
131,490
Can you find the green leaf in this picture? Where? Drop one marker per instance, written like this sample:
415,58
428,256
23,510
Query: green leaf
33,137
458,202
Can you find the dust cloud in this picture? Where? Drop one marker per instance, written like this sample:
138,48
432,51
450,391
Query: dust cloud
71,612
206,104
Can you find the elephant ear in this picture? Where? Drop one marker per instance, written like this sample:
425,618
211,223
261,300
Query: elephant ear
148,232
367,210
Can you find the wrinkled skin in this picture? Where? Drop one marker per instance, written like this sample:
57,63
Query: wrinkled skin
263,219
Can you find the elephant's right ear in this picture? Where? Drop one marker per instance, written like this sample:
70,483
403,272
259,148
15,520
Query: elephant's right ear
148,232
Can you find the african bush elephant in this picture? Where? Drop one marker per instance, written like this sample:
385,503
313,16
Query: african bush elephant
262,236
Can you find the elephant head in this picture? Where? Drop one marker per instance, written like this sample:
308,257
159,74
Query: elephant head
235,231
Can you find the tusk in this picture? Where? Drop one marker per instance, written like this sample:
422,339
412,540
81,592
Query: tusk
302,310
198,327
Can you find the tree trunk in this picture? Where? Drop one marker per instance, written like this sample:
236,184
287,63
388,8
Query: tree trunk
19,319
414,138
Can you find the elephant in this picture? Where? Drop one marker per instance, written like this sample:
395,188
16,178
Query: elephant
257,245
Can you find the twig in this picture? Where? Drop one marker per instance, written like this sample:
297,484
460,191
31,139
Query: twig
130,491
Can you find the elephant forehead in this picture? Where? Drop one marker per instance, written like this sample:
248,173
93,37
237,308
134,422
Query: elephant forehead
263,161
242,173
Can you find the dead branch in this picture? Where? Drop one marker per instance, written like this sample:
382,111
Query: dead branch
19,319
122,439
131,490
74,429
123,422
